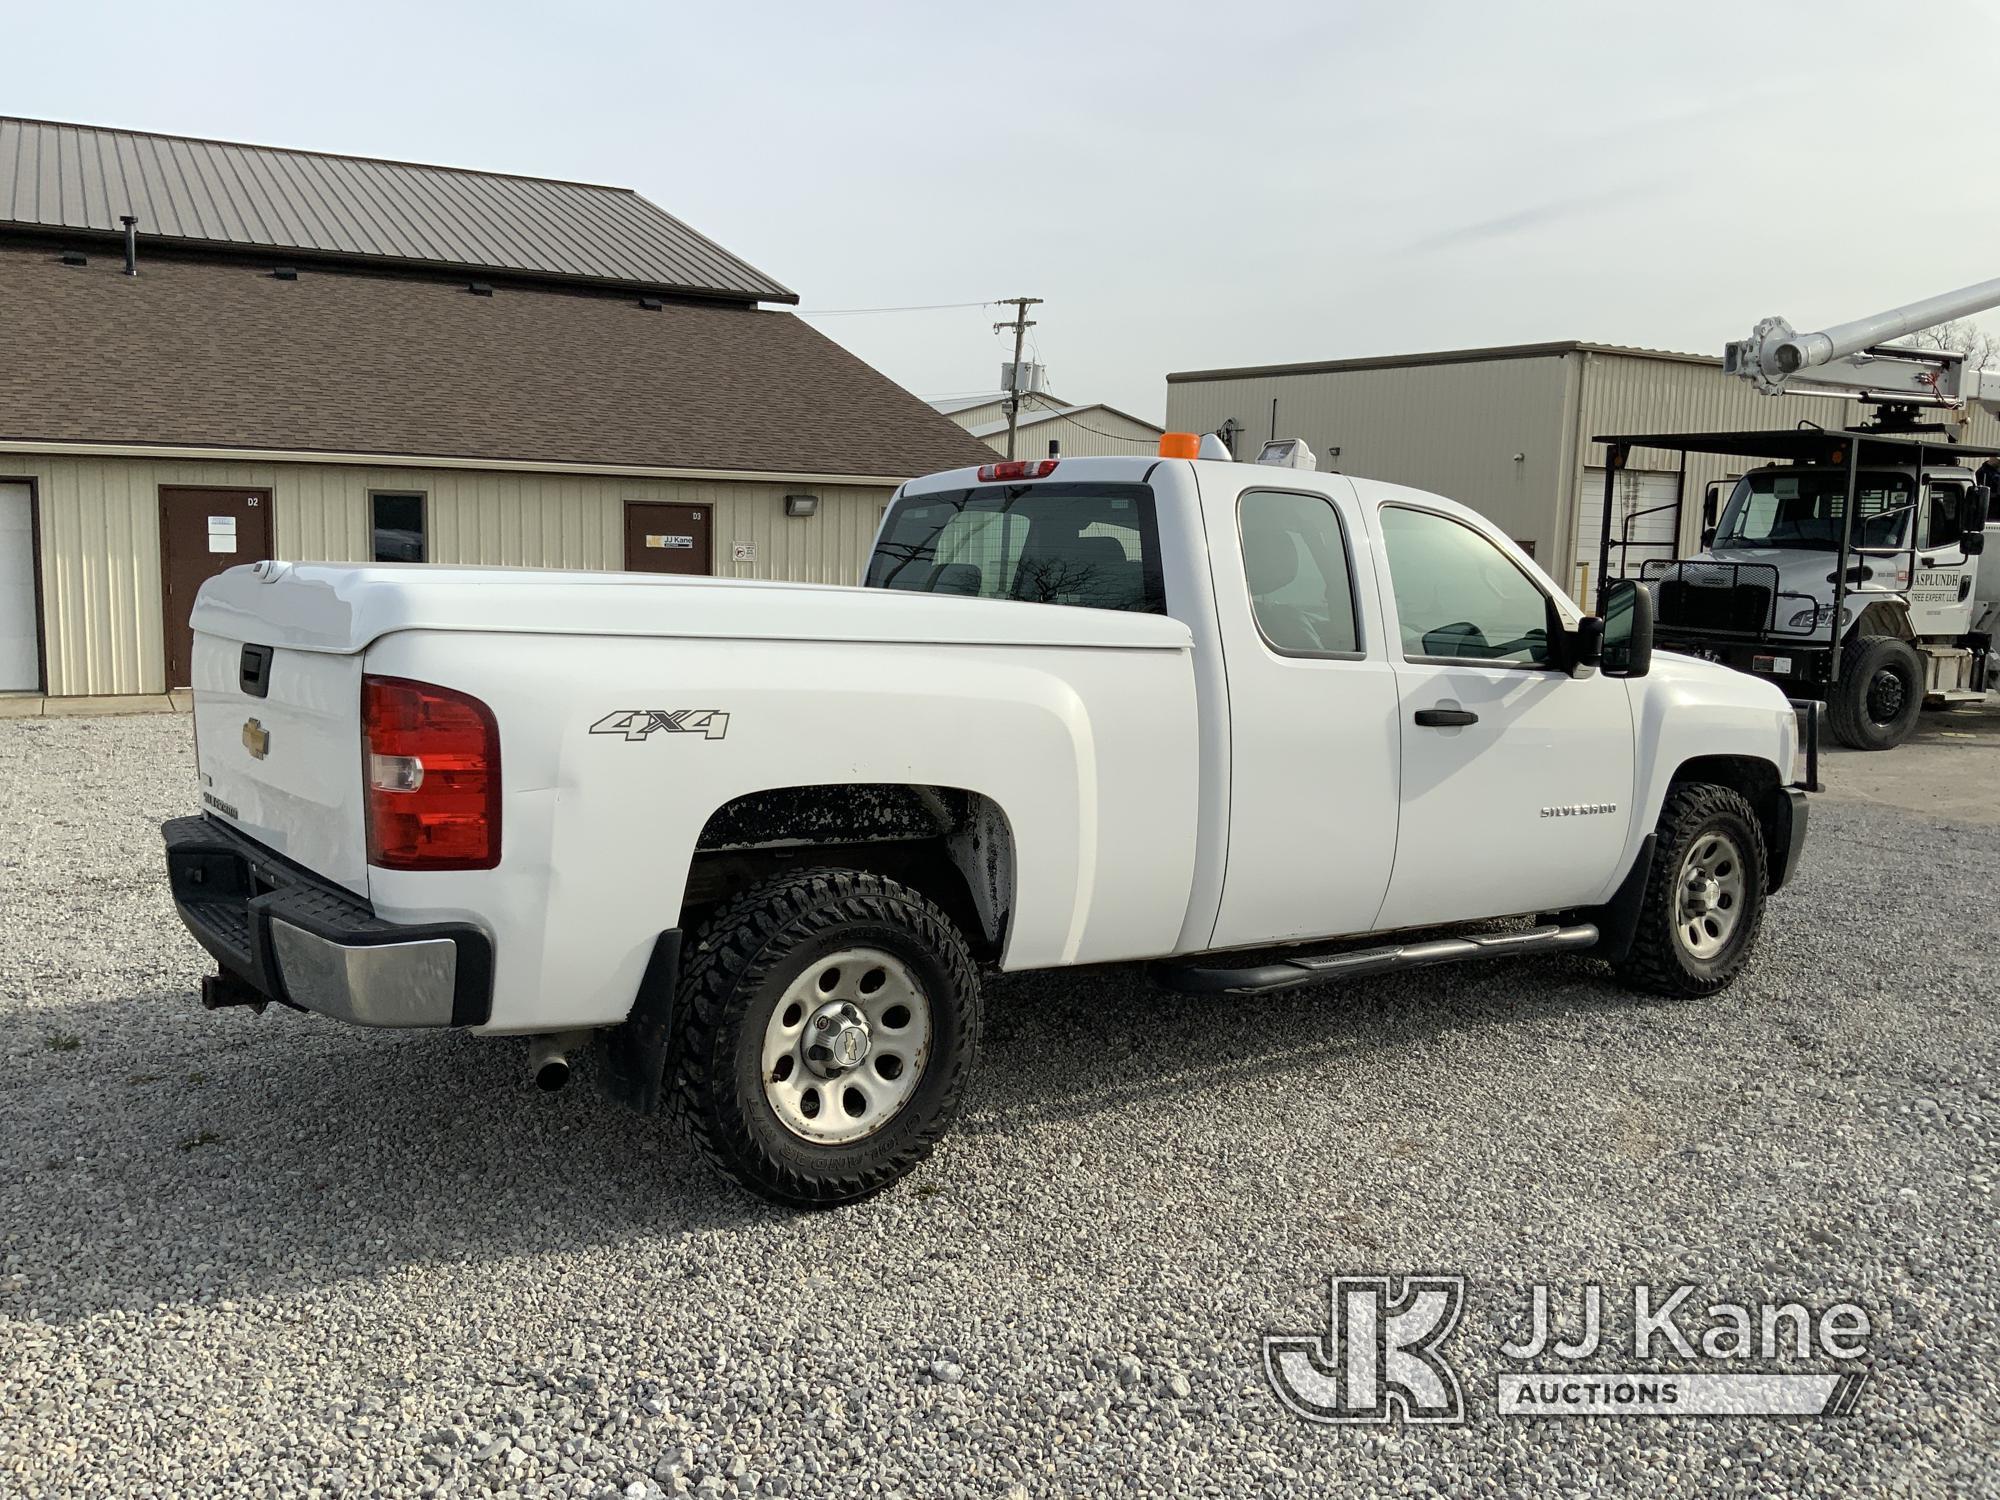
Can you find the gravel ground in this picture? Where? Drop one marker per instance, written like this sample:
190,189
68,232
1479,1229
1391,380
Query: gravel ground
272,1255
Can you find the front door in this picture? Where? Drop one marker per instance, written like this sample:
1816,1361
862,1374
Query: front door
1517,778
203,531
20,634
663,538
1941,592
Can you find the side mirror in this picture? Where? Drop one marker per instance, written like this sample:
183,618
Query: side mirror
1627,626
1711,507
1972,523
1587,642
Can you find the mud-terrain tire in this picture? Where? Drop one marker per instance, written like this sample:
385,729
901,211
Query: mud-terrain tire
1704,901
880,971
1875,704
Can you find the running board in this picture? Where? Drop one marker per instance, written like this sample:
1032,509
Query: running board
1259,979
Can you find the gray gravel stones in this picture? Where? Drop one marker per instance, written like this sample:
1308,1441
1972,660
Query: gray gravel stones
274,1256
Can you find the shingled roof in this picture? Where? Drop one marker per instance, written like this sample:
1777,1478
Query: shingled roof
219,195
218,353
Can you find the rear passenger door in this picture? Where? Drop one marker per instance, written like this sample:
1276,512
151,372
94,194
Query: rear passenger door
1312,716
1516,777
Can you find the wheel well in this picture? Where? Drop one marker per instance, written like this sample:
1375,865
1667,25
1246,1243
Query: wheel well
1884,618
952,844
1760,785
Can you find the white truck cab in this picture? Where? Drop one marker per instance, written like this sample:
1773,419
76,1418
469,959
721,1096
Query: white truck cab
1254,725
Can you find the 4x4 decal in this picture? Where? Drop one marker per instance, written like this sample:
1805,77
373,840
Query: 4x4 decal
638,723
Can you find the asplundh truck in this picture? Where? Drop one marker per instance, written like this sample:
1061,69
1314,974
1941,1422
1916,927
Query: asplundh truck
1844,565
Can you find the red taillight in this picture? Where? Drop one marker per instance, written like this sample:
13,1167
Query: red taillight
431,760
1018,468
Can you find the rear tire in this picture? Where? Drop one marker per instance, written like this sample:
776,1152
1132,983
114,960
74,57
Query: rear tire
1704,901
1875,704
819,957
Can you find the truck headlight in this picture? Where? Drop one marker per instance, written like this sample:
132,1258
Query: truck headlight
1805,619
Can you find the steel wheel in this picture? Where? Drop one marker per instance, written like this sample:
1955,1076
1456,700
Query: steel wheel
846,1046
1708,897
1885,697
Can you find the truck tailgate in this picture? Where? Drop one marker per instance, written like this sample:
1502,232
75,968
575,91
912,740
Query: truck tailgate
284,764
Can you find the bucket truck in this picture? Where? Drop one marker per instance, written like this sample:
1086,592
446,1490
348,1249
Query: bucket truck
1844,564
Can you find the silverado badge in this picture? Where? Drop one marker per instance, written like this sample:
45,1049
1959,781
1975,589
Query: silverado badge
256,739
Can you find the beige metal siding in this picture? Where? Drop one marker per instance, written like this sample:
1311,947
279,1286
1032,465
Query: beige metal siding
1089,434
101,545
1628,394
1450,429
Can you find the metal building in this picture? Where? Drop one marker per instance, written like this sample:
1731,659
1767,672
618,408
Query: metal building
1508,431
217,353
1077,430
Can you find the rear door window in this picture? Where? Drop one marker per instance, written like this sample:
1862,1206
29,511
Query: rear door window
1091,545
1295,563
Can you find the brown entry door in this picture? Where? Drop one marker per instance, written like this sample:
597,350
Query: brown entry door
202,532
662,538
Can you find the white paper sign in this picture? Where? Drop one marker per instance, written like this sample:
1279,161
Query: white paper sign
222,533
742,551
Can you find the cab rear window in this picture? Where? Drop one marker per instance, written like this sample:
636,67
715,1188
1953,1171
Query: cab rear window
1096,546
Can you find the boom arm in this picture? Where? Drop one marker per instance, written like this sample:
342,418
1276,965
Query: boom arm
1775,352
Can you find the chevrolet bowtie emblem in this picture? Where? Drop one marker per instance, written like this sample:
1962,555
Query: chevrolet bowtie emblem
256,738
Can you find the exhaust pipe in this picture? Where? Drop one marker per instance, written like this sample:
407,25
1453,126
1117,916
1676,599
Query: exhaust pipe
548,1058
131,243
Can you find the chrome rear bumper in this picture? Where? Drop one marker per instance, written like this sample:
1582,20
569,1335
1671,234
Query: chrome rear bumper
281,933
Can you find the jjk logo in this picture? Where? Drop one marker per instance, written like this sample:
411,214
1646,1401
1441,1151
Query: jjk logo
1378,1360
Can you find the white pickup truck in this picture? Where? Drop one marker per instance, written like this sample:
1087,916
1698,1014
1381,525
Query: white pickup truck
758,837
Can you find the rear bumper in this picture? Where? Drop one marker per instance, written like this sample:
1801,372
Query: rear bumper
292,937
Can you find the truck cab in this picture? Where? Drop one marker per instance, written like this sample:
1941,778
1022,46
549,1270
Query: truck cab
1910,564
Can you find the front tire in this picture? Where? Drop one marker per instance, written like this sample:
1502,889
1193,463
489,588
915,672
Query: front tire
830,1023
1704,901
1880,693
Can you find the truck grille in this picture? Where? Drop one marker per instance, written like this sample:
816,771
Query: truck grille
1722,598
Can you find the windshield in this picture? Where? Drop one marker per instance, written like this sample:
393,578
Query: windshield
1093,545
1800,508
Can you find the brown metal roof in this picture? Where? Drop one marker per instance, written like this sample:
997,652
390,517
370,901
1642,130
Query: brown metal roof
1439,357
218,194
219,353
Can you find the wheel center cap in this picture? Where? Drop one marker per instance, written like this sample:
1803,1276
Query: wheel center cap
1702,894
837,1039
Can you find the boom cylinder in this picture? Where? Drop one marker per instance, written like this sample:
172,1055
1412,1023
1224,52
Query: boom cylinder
1801,351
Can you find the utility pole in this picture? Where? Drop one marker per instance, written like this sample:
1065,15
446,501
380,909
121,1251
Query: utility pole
1020,325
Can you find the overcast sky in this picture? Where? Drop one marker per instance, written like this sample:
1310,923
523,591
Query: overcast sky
1186,185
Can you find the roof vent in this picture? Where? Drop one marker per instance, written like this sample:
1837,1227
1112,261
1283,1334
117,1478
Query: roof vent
285,273
651,304
75,258
481,288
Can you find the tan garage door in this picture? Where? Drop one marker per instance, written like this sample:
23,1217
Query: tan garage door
1642,508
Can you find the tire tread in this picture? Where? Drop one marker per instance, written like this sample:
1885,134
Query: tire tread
726,964
1654,963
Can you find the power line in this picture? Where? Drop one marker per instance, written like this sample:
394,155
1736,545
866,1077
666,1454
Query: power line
1065,411
853,312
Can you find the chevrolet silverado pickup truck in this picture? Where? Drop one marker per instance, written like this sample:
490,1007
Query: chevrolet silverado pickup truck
1256,726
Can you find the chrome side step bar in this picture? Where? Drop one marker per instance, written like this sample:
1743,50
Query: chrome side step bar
1258,979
